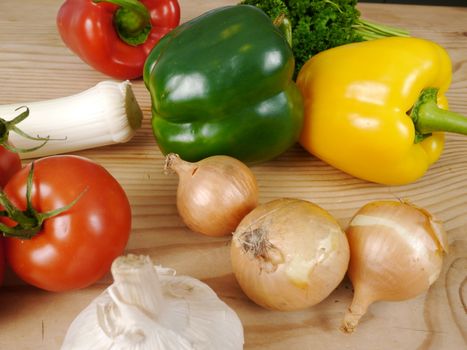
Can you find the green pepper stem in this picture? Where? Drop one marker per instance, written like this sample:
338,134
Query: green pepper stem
284,25
132,21
371,30
428,117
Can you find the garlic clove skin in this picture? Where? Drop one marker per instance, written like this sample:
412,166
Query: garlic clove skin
396,253
149,307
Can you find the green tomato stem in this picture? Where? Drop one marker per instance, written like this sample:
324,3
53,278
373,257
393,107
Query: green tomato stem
428,117
28,222
132,21
14,213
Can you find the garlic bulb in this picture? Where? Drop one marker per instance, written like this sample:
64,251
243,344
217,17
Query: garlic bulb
396,253
149,307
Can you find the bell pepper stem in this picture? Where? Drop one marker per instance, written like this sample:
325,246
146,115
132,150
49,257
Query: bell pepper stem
284,25
132,21
428,117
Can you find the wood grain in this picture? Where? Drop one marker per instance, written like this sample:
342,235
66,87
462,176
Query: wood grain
35,65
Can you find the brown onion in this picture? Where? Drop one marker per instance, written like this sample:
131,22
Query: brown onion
396,253
214,194
289,254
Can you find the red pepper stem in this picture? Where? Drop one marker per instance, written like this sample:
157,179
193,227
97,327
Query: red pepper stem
428,117
132,21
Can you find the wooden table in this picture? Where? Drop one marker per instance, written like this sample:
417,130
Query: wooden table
35,65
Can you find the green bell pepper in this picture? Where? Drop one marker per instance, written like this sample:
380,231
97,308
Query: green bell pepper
222,84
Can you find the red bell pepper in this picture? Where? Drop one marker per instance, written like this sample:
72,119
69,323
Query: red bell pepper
116,36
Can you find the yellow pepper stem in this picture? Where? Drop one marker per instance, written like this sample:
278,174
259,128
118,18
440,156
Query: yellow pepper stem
428,117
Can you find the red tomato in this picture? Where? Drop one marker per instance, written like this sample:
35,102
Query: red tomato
77,247
9,165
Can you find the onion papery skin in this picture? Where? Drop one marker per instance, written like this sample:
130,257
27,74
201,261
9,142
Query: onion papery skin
306,259
214,194
396,253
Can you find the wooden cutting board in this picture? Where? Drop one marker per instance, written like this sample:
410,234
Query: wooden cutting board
35,65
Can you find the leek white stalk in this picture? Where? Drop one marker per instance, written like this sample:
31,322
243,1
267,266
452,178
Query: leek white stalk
149,307
104,114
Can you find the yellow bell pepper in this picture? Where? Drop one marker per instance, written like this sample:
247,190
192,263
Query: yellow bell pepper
374,109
